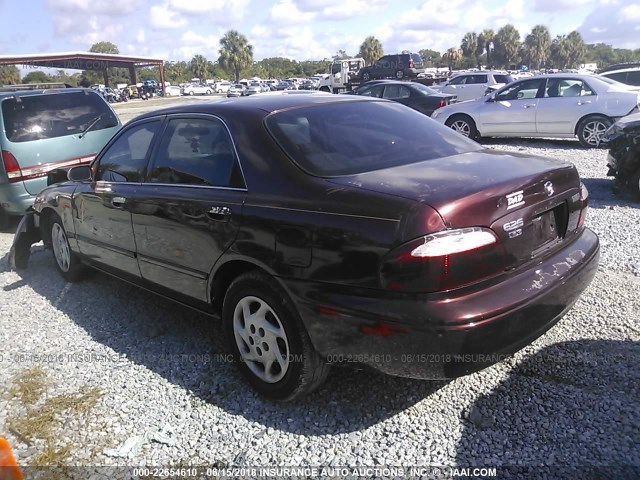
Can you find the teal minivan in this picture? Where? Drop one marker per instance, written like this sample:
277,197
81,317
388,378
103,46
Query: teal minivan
42,130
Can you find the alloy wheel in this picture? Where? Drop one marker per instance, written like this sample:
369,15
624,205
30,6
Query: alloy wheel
462,127
261,339
593,132
60,247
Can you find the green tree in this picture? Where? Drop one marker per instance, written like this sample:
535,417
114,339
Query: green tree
110,76
576,49
235,53
341,55
537,46
9,75
430,58
559,56
469,45
37,76
507,44
370,50
453,55
199,66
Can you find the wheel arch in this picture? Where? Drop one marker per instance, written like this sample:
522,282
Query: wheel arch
587,115
469,116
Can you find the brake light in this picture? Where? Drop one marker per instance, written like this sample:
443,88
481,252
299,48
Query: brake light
443,261
411,63
11,166
443,103
584,200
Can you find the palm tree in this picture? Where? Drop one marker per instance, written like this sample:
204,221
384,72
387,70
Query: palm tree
537,46
576,49
452,55
9,75
235,53
485,39
469,44
560,51
370,50
507,44
198,66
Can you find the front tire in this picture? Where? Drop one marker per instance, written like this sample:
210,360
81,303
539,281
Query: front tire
366,76
464,125
191,93
268,340
66,260
591,130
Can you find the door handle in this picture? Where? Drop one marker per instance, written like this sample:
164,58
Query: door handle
583,102
118,202
529,105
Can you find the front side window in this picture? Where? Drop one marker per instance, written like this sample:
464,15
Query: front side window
461,80
196,151
51,115
125,159
349,138
526,89
371,91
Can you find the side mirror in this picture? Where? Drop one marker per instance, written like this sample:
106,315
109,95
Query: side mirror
491,97
81,173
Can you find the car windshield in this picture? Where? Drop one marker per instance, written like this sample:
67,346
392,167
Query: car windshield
35,117
350,138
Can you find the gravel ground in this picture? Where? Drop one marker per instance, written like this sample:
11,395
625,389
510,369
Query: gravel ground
140,362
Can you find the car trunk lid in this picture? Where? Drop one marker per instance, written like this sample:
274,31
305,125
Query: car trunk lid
531,203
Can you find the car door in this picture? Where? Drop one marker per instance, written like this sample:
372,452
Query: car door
188,211
512,110
565,100
456,86
475,86
102,214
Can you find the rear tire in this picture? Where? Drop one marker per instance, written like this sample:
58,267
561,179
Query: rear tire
591,130
464,125
67,262
400,74
267,339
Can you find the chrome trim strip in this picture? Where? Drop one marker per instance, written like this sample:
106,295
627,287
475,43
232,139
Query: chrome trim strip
175,268
323,213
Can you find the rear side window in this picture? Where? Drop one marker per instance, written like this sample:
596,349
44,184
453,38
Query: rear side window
196,151
51,115
501,78
633,78
618,77
349,138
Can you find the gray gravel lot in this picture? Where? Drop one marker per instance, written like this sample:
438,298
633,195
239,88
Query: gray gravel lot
570,398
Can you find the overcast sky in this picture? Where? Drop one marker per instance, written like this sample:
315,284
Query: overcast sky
297,29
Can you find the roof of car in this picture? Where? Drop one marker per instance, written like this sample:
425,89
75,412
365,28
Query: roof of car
265,103
40,91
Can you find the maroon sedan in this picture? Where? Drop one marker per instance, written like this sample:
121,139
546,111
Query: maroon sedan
328,229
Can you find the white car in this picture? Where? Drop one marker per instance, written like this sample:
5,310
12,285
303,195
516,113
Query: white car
196,89
222,87
470,85
558,106
173,91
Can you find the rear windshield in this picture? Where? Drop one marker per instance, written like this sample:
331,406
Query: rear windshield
417,59
51,115
338,139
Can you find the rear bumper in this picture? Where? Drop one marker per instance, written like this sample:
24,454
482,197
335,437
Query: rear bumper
27,233
446,335
14,198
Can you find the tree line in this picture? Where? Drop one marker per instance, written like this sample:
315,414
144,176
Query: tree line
502,49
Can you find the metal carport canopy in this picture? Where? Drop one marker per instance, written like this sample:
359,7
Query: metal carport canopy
85,61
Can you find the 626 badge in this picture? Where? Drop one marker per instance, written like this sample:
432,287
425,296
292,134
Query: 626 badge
514,228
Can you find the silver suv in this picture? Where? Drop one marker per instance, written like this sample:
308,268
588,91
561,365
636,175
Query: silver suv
628,73
470,85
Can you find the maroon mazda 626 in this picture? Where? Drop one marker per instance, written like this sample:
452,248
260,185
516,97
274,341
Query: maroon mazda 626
326,229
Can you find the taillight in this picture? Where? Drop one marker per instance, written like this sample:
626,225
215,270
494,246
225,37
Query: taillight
411,63
443,103
443,261
584,200
11,166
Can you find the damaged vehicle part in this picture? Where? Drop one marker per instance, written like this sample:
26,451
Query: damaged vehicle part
623,160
